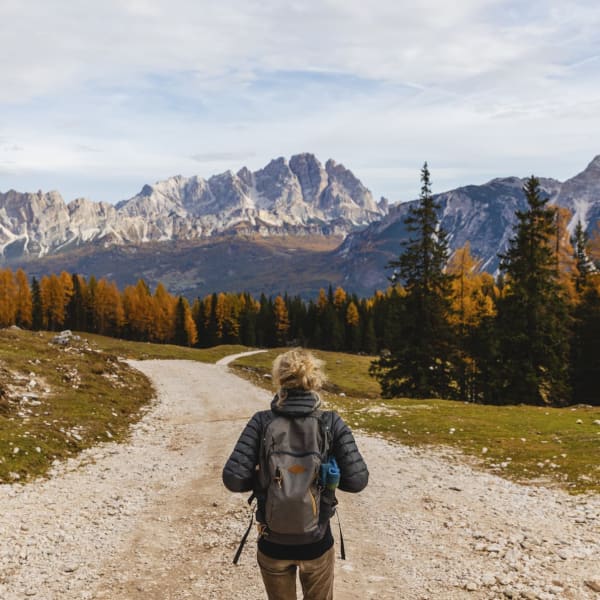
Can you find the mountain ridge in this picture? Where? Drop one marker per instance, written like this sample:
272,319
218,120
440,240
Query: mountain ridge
212,226
295,197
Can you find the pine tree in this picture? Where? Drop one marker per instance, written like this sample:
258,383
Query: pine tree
37,309
76,308
586,344
532,322
583,264
419,358
265,323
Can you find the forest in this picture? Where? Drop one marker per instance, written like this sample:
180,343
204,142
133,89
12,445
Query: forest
442,329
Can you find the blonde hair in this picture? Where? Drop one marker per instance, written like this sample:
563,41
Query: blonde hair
297,368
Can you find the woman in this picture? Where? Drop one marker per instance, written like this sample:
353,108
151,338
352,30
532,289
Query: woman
283,551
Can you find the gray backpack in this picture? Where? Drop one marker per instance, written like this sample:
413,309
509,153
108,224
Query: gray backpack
292,451
291,501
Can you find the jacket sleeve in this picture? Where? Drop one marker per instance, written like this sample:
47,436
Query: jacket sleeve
240,469
354,474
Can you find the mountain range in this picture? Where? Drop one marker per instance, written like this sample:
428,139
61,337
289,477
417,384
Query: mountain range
294,226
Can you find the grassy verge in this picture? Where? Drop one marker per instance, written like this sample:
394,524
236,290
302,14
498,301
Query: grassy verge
58,400
557,446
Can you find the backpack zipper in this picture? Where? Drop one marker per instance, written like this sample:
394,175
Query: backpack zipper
278,477
314,502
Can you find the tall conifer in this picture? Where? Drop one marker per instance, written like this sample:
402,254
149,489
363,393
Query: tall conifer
532,324
419,360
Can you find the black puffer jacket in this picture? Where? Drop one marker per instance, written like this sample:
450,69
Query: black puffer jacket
239,473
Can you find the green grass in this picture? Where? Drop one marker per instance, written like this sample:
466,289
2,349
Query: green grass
147,351
81,396
346,373
82,402
555,446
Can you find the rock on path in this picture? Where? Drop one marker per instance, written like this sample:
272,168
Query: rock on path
150,519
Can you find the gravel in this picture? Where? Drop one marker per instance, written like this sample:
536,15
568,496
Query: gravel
150,519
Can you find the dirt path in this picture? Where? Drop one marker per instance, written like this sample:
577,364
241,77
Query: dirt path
151,519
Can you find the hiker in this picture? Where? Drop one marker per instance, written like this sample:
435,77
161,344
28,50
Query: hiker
282,456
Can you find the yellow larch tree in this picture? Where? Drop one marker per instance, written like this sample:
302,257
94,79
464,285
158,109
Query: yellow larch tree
24,314
54,299
352,316
109,314
322,301
566,262
471,298
163,305
282,321
8,298
339,298
139,313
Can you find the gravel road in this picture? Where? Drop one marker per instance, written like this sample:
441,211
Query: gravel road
151,520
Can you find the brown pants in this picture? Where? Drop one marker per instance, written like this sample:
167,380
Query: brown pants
316,576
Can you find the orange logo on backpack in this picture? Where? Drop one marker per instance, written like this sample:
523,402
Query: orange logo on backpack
296,469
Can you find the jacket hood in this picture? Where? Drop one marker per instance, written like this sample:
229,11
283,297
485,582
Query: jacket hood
297,403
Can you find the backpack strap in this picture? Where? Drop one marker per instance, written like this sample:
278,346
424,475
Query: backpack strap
236,558
326,421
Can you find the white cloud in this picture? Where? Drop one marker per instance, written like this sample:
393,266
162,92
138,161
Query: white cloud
154,88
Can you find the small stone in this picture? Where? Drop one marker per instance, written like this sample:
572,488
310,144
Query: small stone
593,584
70,568
471,586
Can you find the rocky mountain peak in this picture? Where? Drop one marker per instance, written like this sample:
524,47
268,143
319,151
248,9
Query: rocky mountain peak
311,175
246,175
593,169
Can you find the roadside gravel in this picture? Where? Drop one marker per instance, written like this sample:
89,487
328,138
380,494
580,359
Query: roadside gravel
150,519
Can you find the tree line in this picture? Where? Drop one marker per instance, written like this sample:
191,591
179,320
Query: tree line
442,329
530,336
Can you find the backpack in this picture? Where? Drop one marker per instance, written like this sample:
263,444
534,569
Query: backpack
291,500
290,457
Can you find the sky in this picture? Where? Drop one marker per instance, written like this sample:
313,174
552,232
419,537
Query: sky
99,98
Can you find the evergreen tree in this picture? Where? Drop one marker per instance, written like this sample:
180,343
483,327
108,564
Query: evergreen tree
265,323
37,309
76,308
532,323
419,358
248,317
584,265
24,302
586,344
